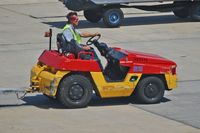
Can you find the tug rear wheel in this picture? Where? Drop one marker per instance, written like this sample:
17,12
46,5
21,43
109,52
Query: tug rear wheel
75,91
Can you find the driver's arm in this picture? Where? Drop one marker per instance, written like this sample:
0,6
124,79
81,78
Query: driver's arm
87,34
69,38
75,48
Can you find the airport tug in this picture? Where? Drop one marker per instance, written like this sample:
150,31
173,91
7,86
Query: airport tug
72,79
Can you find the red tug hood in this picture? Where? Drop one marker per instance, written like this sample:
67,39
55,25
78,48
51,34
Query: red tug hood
140,57
146,63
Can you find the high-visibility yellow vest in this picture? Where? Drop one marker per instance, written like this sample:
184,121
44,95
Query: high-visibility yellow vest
76,36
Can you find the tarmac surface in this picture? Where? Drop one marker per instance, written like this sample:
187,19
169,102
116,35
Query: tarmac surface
22,24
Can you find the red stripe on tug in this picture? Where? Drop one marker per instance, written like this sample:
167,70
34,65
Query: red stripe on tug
61,62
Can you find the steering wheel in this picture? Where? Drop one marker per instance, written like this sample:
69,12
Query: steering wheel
93,40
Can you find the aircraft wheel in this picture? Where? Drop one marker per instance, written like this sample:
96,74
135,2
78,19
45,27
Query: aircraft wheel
93,16
113,17
183,12
195,12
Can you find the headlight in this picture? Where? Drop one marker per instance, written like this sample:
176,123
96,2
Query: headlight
173,69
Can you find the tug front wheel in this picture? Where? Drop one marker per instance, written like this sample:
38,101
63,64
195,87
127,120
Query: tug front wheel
75,91
150,90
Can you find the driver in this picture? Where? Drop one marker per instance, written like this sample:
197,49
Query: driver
73,36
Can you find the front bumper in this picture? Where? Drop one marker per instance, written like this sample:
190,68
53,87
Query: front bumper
171,81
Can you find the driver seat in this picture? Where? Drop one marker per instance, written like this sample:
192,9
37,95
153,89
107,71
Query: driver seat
60,42
65,47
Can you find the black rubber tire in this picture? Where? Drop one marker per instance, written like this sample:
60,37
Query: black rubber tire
67,85
183,12
195,12
150,90
113,17
93,16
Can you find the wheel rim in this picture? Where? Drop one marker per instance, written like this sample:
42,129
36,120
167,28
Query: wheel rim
76,92
114,18
151,91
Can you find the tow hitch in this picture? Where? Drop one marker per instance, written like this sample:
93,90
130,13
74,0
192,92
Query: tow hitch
25,91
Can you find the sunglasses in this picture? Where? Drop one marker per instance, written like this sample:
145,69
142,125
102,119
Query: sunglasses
74,19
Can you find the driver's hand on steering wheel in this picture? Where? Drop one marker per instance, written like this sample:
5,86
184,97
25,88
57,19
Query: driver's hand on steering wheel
86,47
96,34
